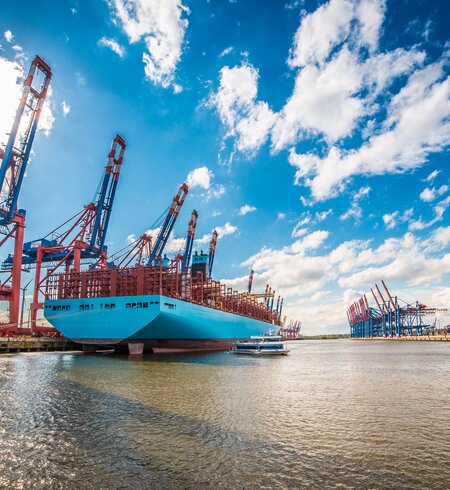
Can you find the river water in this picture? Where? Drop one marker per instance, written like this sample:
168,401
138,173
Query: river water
346,414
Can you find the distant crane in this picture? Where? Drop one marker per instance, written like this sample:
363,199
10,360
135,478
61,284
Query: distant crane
189,241
212,251
82,237
15,158
141,252
250,281
389,318
168,224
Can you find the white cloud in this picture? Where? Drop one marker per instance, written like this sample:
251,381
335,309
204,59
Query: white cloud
112,45
226,51
438,210
342,88
214,192
161,24
405,144
65,108
245,119
281,215
308,268
226,229
363,192
429,195
8,35
81,80
245,209
391,220
199,177
355,210
432,175
74,10
11,75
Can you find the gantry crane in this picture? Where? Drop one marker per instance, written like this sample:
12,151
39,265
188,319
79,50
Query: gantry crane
212,251
15,158
392,316
250,281
189,241
168,224
81,237
141,251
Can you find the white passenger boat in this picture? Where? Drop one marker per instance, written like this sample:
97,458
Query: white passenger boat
266,345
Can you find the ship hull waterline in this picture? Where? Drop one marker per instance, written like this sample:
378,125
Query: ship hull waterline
149,323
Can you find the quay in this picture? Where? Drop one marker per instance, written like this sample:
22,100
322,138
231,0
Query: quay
31,344
417,338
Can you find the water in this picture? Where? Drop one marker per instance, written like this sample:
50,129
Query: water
346,414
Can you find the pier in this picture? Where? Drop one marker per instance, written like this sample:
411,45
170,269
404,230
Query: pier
417,338
30,344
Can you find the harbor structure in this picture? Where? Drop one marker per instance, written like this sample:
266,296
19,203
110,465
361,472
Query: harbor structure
159,303
15,157
390,316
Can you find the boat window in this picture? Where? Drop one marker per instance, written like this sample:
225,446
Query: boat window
128,305
133,305
68,307
54,308
139,305
113,305
144,305
156,302
107,306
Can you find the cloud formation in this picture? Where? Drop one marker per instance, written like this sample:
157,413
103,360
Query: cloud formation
161,25
344,86
112,45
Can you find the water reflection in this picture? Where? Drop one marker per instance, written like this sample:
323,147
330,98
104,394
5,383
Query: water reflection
351,414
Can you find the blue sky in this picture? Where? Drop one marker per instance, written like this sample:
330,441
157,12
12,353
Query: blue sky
314,135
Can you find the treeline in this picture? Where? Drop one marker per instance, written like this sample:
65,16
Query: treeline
326,337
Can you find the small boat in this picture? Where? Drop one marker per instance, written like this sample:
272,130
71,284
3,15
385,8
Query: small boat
266,345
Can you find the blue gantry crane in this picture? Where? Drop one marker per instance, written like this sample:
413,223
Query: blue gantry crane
189,241
167,227
80,238
15,158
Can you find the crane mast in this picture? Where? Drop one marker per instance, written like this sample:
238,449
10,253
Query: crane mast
107,193
18,147
189,241
212,251
250,281
168,224
80,237
15,158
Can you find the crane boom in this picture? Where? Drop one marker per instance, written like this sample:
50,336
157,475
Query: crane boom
107,193
18,147
212,251
169,223
250,281
189,241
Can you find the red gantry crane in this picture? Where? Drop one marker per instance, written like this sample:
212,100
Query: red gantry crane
187,254
80,238
141,252
169,222
15,158
212,251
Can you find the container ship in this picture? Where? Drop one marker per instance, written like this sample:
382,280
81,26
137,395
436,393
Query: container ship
140,301
155,309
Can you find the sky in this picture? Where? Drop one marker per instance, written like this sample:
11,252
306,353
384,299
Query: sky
313,135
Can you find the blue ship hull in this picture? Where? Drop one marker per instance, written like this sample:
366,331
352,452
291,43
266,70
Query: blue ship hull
157,322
